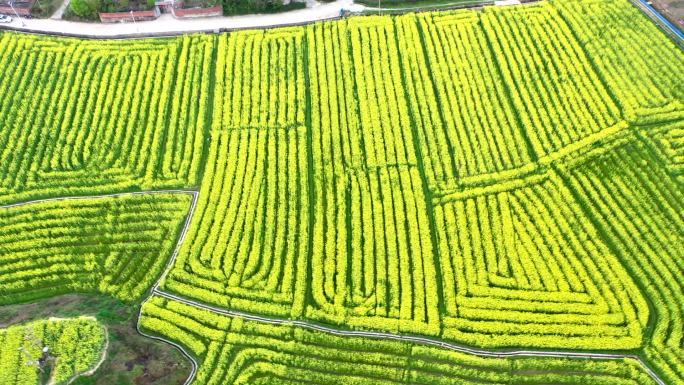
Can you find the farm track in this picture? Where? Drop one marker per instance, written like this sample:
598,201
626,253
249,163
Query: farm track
321,328
314,326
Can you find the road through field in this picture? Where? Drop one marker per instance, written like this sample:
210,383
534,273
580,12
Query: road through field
327,329
318,327
167,25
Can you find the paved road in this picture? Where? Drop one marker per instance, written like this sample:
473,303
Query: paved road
168,25
318,327
648,8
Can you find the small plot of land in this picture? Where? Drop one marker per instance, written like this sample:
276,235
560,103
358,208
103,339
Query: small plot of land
51,351
131,358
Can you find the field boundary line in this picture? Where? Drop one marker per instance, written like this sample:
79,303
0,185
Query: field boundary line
415,339
169,265
312,326
101,196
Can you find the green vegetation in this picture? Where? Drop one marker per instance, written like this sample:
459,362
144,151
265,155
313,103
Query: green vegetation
233,351
505,178
84,9
255,186
92,117
243,7
117,246
73,347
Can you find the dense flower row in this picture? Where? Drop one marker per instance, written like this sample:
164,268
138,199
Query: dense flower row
261,80
558,96
372,258
115,246
474,130
668,141
83,117
234,351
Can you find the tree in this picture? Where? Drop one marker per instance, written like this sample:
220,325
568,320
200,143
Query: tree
85,9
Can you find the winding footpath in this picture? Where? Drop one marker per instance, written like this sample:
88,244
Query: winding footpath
321,328
155,290
166,25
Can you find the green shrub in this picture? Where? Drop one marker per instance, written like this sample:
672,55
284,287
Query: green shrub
85,9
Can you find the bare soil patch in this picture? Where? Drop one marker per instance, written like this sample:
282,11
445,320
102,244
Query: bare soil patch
673,10
131,359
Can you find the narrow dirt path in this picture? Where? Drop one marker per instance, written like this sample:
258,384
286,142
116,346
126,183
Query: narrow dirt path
321,328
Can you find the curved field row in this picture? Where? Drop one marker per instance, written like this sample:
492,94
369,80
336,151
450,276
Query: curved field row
399,182
235,351
248,241
641,211
115,245
84,117
525,266
74,346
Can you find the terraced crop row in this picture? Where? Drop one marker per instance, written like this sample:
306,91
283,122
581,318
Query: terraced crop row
502,178
83,117
117,246
233,351
372,257
73,346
